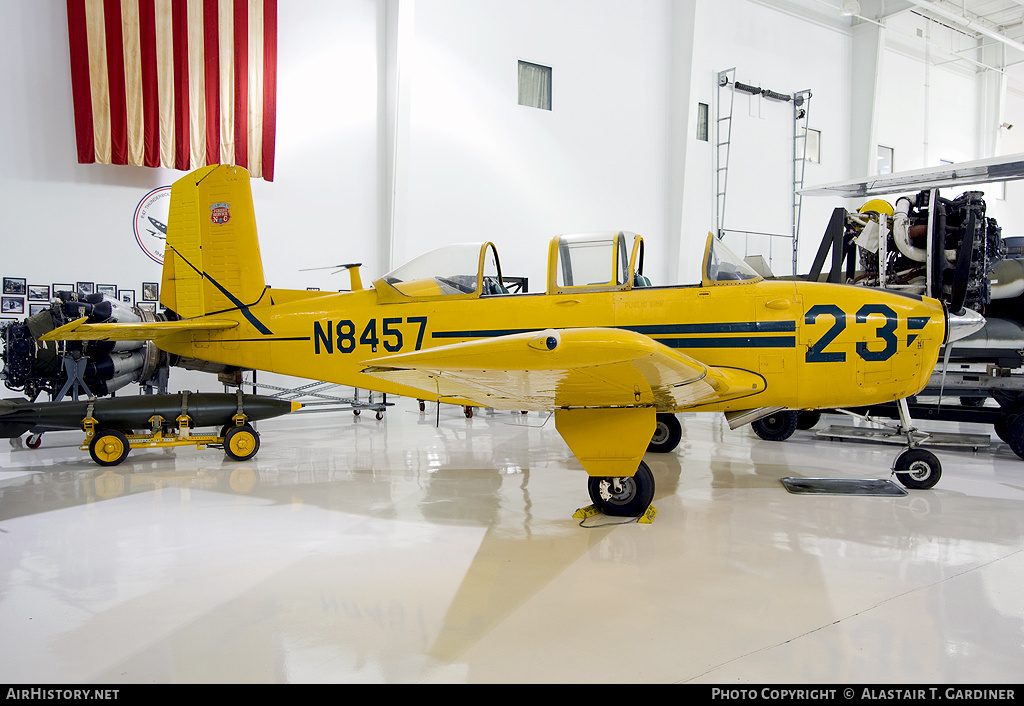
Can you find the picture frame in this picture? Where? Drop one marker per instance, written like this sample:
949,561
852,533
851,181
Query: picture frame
12,305
14,285
34,309
150,291
85,288
147,306
39,292
127,296
62,287
109,289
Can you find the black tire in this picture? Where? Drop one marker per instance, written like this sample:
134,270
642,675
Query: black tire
1002,428
775,427
241,443
1015,435
918,469
623,496
667,433
807,419
109,447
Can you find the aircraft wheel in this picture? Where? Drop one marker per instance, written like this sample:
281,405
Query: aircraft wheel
1015,435
667,433
918,469
623,496
241,443
807,419
775,427
1002,427
109,447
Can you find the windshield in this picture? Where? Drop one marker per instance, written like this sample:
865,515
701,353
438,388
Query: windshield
723,265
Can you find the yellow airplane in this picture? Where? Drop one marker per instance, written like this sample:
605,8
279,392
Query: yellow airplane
612,356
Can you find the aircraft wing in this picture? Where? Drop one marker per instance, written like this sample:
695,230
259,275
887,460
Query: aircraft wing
981,171
584,367
78,330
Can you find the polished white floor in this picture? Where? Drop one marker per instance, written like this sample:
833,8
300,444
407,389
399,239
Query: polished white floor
357,550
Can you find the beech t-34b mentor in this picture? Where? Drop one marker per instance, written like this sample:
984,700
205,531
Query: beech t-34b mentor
612,356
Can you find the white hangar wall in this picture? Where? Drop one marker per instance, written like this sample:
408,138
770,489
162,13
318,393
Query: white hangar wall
377,164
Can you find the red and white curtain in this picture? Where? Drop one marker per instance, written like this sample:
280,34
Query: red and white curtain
175,83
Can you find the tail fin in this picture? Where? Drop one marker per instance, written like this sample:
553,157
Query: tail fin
212,259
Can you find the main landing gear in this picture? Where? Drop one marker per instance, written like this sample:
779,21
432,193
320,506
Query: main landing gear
627,496
631,496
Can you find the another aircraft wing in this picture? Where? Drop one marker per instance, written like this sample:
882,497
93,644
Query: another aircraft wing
584,367
78,330
981,171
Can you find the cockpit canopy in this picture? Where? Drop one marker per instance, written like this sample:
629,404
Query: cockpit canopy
587,262
595,262
465,270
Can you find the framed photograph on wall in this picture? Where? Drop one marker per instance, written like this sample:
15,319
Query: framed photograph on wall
127,296
12,305
109,289
150,291
61,287
39,293
147,306
14,285
34,309
85,288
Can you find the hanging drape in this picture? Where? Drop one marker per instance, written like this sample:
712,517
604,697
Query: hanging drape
175,83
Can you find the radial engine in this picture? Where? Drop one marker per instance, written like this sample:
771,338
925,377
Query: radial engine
104,367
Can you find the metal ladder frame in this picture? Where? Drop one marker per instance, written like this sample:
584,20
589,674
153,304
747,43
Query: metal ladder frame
723,121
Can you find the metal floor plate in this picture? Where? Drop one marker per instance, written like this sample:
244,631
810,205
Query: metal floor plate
842,486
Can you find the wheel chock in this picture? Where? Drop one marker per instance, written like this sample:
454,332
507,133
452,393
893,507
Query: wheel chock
648,517
585,513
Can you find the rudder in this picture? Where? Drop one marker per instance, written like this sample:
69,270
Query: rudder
212,260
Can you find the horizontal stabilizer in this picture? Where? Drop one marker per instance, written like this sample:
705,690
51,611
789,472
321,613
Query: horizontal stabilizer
78,330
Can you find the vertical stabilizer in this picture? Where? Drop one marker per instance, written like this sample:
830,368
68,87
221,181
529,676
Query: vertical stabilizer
212,259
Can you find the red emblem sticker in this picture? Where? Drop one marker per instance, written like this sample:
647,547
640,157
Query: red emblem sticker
220,213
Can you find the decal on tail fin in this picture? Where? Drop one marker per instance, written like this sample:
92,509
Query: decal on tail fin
212,261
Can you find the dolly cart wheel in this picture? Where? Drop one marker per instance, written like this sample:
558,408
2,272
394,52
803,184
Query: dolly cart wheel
109,447
241,443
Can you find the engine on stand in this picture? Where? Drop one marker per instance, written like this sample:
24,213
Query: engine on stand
98,368
951,250
947,249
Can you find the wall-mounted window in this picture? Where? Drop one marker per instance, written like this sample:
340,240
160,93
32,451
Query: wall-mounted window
534,85
885,160
812,149
702,122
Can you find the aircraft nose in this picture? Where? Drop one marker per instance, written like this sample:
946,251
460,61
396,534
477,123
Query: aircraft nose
962,324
